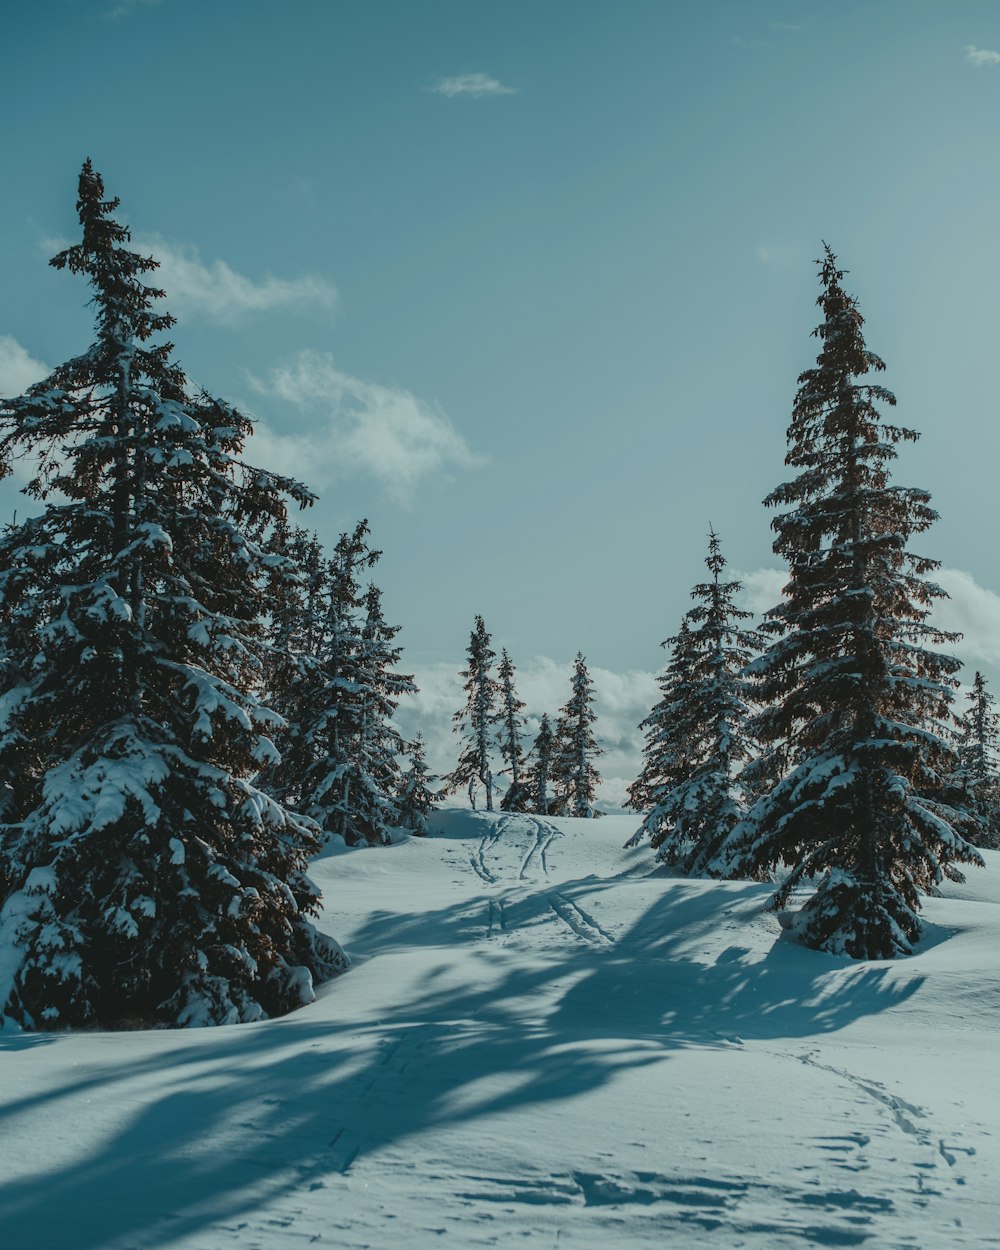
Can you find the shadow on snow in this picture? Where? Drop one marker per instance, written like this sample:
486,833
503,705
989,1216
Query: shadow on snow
248,1115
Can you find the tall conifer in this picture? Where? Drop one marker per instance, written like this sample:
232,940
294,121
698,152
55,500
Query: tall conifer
146,878
538,769
854,691
337,687
416,795
696,738
977,742
511,733
574,776
476,720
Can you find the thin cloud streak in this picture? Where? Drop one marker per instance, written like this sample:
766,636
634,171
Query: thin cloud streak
475,85
981,56
218,293
126,8
383,431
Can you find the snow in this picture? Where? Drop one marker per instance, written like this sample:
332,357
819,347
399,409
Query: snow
544,1041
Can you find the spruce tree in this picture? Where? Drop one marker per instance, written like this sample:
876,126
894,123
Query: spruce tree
976,742
416,797
475,721
511,727
370,783
338,689
295,682
574,777
668,755
538,769
854,692
696,738
147,880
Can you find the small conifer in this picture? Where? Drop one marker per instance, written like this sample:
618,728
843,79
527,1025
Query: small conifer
574,776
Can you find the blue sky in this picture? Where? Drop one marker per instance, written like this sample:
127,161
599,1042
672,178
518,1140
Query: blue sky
529,284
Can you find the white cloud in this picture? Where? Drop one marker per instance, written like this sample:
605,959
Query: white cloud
381,430
761,589
788,26
125,8
974,612
217,292
18,369
981,56
475,85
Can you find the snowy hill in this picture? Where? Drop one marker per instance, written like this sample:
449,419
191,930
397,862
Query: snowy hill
543,1042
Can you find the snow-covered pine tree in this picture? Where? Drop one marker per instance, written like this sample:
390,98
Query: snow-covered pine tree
696,737
511,732
416,796
370,783
851,685
667,755
334,734
338,689
538,769
977,740
475,721
574,777
295,683
146,879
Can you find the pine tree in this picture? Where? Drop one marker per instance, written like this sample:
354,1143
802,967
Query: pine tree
976,740
416,796
574,777
668,755
476,720
371,781
696,739
511,725
146,878
338,689
295,682
538,769
853,692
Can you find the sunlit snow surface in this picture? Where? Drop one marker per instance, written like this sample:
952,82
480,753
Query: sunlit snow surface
542,1043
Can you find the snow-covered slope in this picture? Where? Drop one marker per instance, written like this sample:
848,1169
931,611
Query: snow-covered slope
545,1043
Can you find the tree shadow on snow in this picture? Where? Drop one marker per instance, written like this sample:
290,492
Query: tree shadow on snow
251,1116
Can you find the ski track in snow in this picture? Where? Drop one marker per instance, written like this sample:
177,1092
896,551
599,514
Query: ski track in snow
568,1052
514,855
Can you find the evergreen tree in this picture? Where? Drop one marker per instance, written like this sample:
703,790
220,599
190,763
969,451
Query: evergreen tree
853,691
295,682
146,878
667,755
538,769
574,777
416,797
338,689
696,739
976,740
511,724
475,721
370,783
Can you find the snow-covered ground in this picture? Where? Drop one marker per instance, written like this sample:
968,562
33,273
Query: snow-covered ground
543,1043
